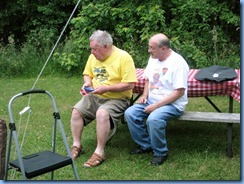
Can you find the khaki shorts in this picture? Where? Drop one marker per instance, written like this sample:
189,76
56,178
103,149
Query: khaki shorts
89,104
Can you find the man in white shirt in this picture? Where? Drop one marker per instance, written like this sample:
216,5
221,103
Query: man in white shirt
164,98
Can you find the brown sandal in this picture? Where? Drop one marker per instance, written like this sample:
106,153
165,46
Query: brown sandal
75,152
94,161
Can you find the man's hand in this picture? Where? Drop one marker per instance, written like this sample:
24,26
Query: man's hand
101,90
150,108
142,99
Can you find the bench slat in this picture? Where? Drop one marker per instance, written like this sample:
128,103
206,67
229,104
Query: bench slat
211,117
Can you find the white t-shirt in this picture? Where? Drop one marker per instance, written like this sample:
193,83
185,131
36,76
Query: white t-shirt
165,76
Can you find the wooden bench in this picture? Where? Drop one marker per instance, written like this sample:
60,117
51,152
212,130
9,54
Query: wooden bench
211,117
228,118
218,117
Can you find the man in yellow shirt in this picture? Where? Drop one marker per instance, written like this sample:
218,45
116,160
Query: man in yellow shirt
111,74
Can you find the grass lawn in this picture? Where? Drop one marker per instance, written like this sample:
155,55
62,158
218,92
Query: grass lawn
197,151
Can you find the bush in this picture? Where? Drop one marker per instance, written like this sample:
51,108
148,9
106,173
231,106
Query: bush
9,63
26,60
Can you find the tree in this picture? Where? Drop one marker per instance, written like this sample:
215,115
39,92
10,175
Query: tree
22,18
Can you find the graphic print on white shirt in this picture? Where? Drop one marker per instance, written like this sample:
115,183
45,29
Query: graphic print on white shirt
166,76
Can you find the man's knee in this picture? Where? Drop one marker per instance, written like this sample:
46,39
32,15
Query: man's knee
128,112
102,114
75,114
154,121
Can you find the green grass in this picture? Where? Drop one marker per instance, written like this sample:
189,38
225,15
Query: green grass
196,150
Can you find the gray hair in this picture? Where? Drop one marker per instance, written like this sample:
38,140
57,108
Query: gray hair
102,37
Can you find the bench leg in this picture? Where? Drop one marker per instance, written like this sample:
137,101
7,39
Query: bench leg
229,140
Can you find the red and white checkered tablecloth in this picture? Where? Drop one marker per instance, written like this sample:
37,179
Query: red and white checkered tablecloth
200,88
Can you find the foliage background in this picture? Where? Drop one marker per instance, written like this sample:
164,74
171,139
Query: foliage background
205,32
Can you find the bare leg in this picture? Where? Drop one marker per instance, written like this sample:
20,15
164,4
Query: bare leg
103,130
77,125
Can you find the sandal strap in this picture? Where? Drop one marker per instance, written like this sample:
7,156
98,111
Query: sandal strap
75,152
95,160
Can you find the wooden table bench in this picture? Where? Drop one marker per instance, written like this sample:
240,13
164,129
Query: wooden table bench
211,117
228,118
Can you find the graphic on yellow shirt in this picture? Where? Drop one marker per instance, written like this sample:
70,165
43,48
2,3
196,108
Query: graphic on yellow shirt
101,73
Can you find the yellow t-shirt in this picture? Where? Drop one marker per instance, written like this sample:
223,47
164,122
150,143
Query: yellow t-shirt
118,67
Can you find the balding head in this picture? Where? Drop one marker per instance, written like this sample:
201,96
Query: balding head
161,40
159,46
